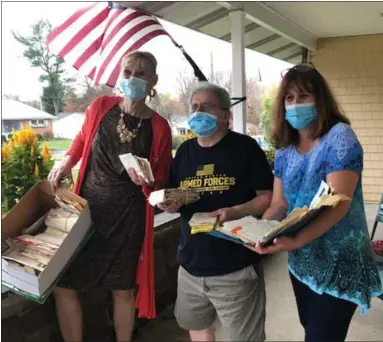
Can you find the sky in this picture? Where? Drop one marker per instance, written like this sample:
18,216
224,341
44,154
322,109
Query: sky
19,78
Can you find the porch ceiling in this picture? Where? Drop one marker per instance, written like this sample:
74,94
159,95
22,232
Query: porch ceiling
333,19
265,31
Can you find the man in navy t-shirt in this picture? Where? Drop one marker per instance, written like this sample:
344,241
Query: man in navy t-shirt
234,179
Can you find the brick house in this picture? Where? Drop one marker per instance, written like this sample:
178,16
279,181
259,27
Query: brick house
15,113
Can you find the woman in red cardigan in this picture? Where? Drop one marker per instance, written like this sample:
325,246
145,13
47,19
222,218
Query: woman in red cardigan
119,254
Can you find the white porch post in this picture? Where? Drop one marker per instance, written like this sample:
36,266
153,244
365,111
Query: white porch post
237,17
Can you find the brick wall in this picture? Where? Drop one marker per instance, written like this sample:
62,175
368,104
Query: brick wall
40,130
353,66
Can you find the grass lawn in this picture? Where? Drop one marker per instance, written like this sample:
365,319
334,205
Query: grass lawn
62,144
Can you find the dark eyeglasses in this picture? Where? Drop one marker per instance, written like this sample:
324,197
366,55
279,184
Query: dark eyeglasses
304,67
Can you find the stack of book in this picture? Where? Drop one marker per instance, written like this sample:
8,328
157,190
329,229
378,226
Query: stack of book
202,223
140,165
173,196
33,250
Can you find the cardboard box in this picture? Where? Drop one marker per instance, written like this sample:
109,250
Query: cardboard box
36,203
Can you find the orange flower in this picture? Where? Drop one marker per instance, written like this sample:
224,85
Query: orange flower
36,170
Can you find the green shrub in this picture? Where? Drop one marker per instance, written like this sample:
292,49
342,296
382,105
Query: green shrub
39,137
48,136
23,163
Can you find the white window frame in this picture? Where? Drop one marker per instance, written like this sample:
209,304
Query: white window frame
38,123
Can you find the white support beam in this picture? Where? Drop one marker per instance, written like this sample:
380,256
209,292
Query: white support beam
239,74
265,16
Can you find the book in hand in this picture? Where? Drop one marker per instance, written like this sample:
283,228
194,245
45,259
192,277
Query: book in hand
247,230
250,230
173,196
140,165
202,223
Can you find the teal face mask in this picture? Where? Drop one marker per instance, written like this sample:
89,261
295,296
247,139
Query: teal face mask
133,88
301,116
203,124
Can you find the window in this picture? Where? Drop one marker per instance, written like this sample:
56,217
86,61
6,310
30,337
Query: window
38,123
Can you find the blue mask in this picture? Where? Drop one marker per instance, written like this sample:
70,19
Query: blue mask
301,115
133,88
203,124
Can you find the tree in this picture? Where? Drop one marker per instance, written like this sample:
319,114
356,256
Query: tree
253,94
52,66
186,84
79,102
10,97
265,121
166,105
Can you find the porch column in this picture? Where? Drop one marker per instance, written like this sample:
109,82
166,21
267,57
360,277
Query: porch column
237,17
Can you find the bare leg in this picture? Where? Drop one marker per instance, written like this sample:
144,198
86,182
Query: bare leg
69,314
205,335
124,310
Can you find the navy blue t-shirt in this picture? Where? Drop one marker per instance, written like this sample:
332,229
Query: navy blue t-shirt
226,174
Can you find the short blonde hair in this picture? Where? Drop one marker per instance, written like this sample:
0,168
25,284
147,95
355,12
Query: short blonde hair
142,56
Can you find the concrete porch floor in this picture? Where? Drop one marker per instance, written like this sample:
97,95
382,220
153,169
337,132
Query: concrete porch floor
282,323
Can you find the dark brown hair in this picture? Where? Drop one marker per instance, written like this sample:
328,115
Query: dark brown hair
308,79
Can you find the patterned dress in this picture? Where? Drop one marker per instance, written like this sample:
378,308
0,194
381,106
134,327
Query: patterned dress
117,208
340,262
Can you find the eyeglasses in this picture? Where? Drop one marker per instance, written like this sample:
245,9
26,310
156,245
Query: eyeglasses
304,67
203,107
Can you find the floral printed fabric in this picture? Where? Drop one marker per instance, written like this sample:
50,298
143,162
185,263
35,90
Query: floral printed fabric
340,262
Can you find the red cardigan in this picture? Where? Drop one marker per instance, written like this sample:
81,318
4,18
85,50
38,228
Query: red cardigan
160,160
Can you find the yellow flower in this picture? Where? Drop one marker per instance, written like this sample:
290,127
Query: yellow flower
15,137
36,170
4,153
32,151
46,153
30,134
11,144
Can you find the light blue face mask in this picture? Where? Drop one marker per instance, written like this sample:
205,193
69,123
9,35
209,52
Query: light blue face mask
301,116
133,88
203,124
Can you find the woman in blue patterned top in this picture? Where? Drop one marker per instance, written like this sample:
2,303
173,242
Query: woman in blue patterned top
331,261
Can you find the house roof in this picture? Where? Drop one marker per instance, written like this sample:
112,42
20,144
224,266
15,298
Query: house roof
16,110
66,114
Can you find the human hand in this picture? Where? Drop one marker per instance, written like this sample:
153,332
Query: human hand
282,244
56,175
169,208
136,179
225,214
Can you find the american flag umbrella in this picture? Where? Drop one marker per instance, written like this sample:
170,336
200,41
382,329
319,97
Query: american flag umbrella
94,40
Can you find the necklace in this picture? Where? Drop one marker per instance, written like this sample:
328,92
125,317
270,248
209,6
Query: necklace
124,134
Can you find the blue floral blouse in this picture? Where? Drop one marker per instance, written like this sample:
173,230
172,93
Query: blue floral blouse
340,262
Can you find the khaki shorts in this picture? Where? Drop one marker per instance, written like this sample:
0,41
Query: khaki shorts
238,299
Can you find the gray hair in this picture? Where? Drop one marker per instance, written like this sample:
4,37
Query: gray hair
221,93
